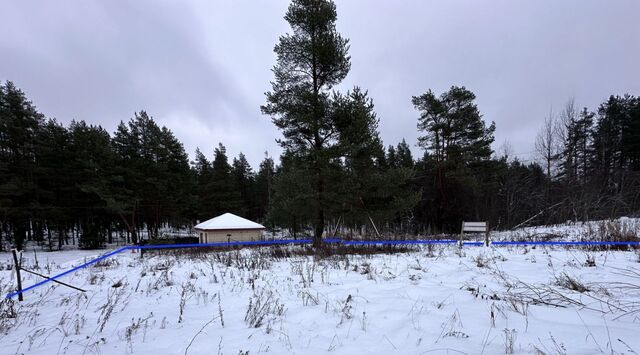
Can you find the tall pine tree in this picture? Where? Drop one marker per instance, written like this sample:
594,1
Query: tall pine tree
310,61
458,144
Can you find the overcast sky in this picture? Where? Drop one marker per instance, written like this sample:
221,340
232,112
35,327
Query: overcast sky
201,68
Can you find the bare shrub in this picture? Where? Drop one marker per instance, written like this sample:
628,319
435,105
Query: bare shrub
339,249
94,278
306,269
535,294
450,327
610,231
460,252
481,261
107,263
243,261
366,269
430,251
220,311
78,324
559,348
164,280
440,304
510,336
8,315
308,298
132,329
263,306
163,265
492,315
187,291
280,252
571,283
363,322
346,309
590,261
518,306
113,298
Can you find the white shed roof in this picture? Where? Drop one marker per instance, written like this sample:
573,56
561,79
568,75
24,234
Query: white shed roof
228,221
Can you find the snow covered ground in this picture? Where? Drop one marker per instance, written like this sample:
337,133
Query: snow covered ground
623,228
431,300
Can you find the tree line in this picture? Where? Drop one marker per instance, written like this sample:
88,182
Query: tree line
335,175
591,167
79,182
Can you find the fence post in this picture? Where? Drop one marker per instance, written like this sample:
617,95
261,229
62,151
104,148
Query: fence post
461,233
16,264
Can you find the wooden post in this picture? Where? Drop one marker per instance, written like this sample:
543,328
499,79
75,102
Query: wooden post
16,263
461,233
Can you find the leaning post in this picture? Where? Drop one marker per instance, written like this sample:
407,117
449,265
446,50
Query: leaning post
16,264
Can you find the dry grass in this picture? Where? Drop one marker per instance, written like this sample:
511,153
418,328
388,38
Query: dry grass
571,283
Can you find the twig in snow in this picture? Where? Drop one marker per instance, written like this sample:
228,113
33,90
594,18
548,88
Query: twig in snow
198,333
394,347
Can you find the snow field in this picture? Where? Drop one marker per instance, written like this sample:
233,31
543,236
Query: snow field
435,299
620,229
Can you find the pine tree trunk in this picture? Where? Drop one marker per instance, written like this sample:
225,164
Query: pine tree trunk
49,238
295,228
319,225
62,235
19,232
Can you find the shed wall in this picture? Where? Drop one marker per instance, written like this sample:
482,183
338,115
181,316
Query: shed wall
239,235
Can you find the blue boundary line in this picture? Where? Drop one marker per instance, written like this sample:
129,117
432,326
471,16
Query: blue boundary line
301,241
563,243
393,242
102,257
226,244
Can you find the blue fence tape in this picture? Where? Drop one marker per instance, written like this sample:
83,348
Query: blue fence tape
395,242
301,241
475,244
563,243
102,257
222,244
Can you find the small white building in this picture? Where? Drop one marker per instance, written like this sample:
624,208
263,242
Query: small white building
228,228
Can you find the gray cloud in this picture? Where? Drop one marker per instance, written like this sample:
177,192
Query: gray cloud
201,68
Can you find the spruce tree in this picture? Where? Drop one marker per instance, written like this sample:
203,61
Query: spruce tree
369,190
92,165
244,178
177,191
263,187
403,155
20,123
54,176
292,195
203,175
221,193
